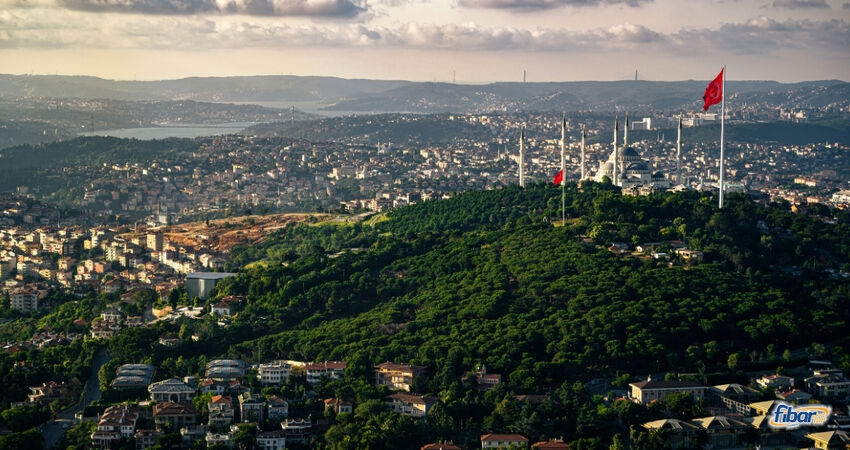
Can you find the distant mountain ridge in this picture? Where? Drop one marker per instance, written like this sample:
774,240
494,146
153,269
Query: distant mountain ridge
368,96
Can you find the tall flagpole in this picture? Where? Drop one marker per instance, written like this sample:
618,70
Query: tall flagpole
679,153
582,152
563,167
522,157
722,132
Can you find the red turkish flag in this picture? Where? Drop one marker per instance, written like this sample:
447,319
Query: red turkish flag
559,177
713,92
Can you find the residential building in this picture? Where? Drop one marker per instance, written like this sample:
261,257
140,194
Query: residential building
221,413
328,369
147,438
178,415
503,441
171,390
830,440
644,392
271,440
794,396
297,430
116,423
486,381
339,405
447,445
24,300
274,373
47,392
397,376
680,434
412,405
829,385
723,432
225,439
550,445
775,381
250,408
278,408
734,397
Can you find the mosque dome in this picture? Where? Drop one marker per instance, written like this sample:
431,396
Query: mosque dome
637,167
629,154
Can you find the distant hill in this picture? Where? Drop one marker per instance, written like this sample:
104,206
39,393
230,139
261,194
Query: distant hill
404,96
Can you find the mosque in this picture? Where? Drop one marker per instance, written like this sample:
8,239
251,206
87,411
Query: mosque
632,170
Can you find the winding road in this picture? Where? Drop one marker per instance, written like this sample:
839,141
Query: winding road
53,430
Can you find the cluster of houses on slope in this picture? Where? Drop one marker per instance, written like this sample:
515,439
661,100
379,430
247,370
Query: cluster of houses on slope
738,417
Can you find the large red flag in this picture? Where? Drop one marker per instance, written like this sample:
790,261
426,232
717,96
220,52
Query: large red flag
559,177
713,92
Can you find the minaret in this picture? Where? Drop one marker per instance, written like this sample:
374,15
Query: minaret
679,154
564,145
626,132
583,133
616,151
522,157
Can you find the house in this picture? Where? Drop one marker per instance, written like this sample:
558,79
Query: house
116,423
768,436
723,432
192,433
221,413
689,256
412,405
147,438
178,415
208,386
339,405
169,341
112,314
201,284
829,385
328,369
397,376
644,392
47,392
775,381
795,396
762,408
225,439
250,408
278,408
447,445
271,440
221,309
503,440
550,445
734,397
103,329
830,440
679,433
486,381
171,390
132,376
274,373
297,430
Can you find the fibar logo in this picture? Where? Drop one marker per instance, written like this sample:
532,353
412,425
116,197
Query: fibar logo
792,416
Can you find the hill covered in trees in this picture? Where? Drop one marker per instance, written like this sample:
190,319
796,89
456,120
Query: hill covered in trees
486,278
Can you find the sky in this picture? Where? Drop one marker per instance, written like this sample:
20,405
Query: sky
468,41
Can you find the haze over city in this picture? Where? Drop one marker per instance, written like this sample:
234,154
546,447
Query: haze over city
471,41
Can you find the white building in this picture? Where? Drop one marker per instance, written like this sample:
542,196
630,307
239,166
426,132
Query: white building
274,373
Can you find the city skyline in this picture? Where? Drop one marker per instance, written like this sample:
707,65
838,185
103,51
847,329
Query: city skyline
472,41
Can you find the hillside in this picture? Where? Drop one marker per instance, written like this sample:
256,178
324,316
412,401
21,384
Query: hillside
485,278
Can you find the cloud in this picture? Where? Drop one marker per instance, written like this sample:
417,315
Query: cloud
800,4
34,28
536,5
310,8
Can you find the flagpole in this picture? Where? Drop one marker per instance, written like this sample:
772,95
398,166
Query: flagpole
563,167
722,133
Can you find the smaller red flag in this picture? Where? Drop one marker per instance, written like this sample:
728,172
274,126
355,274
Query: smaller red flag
559,177
713,92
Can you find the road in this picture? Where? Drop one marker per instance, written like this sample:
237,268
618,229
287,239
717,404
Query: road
52,431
